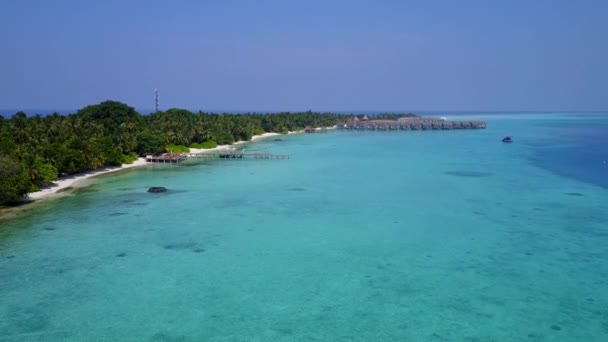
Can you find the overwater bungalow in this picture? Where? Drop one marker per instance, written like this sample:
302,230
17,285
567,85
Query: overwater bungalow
410,123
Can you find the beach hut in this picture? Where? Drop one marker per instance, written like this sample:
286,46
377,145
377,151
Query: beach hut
309,129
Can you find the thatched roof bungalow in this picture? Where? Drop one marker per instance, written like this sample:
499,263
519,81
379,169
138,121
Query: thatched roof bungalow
411,123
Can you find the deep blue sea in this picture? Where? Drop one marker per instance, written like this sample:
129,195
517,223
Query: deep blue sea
360,236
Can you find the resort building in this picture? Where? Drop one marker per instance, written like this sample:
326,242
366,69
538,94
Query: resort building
410,124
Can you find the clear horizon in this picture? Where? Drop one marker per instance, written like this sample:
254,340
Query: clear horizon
468,56
7,113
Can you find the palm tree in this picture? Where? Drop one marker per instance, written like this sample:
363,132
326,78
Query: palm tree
20,128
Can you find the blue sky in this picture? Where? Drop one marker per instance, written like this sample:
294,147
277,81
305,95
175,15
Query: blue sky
299,55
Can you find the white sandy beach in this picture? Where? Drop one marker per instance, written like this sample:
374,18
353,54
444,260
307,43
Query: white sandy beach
61,186
240,142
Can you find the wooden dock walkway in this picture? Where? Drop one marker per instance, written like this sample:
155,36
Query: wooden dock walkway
237,155
179,157
167,158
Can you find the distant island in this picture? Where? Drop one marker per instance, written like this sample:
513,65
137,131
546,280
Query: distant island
37,150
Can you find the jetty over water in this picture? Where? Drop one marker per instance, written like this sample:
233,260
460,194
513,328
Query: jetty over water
410,124
237,155
167,158
179,157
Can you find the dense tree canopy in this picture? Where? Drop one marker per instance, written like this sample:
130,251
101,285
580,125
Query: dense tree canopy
13,179
36,150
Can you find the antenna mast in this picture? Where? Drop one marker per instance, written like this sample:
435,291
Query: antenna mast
156,99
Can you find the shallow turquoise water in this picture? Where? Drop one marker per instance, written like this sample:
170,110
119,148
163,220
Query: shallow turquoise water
361,236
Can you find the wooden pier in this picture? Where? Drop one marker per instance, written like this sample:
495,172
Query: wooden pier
167,158
179,157
237,155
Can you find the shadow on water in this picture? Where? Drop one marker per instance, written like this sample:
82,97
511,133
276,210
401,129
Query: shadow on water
117,214
470,174
576,151
233,203
143,194
166,337
141,197
87,190
106,206
30,319
186,166
190,246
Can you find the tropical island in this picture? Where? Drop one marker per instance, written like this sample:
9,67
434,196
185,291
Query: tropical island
37,150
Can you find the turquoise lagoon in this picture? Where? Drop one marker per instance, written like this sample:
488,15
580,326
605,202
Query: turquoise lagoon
360,236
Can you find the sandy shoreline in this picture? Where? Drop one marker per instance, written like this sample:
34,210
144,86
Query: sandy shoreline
240,142
62,186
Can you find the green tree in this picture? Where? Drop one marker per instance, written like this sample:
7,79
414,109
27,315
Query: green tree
35,150
149,143
14,182
117,120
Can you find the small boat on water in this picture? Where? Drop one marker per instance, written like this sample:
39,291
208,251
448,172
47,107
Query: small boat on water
507,140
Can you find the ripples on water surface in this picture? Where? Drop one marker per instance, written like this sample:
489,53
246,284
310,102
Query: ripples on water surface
418,236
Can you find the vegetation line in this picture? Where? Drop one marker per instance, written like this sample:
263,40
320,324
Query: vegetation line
34,151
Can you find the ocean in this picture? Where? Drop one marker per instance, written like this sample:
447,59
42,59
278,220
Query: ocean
360,236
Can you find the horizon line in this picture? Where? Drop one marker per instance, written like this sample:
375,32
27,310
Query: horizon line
33,111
